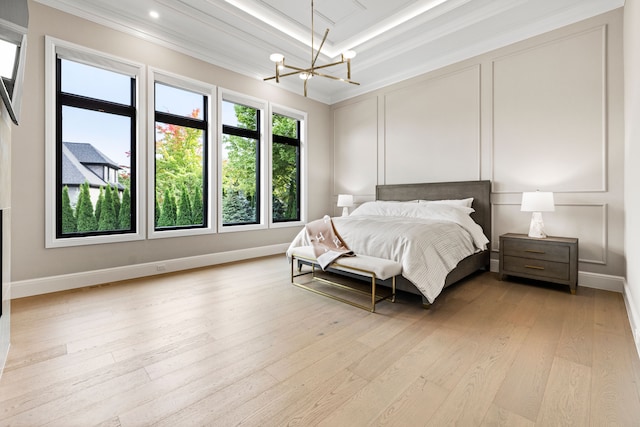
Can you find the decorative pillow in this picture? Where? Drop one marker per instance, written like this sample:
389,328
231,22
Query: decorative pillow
453,202
408,209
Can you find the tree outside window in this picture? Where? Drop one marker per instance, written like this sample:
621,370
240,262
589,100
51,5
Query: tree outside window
180,158
285,168
240,164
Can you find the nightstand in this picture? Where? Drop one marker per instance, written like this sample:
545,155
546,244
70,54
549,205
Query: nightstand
552,259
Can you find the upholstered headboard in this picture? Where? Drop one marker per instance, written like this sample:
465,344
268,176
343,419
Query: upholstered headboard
479,190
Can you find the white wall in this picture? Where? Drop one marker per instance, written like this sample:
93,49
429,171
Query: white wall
632,160
545,113
5,208
33,266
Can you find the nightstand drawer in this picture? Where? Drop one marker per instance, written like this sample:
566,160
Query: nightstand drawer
536,250
536,267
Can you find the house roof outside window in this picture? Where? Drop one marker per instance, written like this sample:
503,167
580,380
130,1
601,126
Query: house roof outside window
77,159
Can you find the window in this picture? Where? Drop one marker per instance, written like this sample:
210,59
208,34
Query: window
92,148
181,173
241,163
285,168
8,63
13,41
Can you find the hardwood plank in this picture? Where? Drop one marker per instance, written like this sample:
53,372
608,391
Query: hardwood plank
608,315
380,358
566,399
418,402
82,408
305,389
472,397
370,402
523,388
576,339
614,399
500,417
205,403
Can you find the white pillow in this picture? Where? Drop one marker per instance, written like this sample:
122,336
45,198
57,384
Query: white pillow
452,202
407,209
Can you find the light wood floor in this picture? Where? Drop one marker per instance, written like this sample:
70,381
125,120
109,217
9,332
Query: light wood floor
237,344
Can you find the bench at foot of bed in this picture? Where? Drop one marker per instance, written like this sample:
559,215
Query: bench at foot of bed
359,265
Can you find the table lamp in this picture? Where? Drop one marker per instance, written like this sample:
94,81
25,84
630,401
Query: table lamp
345,201
537,202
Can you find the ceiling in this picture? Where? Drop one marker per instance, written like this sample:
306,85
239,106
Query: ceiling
394,40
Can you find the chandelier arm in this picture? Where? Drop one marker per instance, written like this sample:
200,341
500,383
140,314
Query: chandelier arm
299,70
326,33
292,73
312,33
319,67
336,78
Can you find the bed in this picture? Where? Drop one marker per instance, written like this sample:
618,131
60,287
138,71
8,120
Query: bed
427,270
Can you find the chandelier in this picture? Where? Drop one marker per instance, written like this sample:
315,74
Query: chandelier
307,73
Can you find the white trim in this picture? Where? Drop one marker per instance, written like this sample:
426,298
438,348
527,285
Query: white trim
634,316
605,110
208,90
52,46
605,282
26,288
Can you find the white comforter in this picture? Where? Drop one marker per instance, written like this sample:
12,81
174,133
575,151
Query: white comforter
429,241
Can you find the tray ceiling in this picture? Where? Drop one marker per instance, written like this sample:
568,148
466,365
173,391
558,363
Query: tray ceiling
394,40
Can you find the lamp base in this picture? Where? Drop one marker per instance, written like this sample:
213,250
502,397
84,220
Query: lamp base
345,211
536,228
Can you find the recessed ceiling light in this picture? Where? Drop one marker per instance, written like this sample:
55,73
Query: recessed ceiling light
154,14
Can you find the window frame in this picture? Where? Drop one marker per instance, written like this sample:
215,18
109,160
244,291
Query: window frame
12,95
263,193
301,116
70,51
209,90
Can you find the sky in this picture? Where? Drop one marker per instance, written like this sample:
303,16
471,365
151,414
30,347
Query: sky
108,132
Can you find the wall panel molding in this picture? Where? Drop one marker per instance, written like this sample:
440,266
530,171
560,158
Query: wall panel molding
432,129
539,109
355,148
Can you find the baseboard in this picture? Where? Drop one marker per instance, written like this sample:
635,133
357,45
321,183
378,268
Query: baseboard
604,282
26,288
634,316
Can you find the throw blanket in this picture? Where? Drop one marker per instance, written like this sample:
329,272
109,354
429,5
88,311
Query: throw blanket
327,243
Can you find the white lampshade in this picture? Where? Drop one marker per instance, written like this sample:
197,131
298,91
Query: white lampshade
537,202
344,202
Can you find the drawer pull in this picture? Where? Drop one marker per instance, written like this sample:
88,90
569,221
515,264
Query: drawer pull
535,267
534,251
